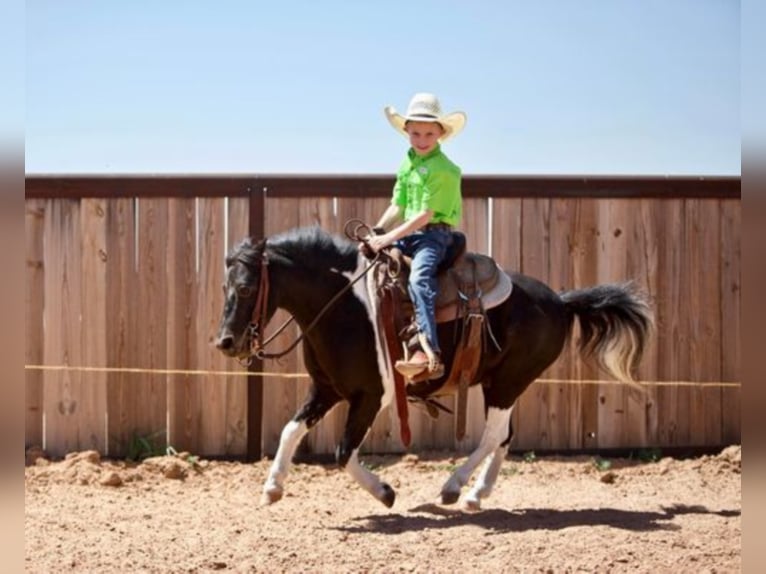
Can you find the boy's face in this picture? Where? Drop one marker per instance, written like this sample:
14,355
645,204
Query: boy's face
424,136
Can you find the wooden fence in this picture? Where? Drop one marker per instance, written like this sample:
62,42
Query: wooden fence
123,299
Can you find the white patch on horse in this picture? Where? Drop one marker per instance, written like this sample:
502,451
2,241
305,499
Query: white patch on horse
365,292
495,432
291,437
365,478
485,482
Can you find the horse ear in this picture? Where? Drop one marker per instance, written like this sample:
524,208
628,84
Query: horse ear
252,243
258,244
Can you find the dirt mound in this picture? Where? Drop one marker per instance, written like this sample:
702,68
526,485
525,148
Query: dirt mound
87,467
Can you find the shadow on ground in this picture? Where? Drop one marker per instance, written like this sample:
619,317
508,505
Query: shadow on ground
433,516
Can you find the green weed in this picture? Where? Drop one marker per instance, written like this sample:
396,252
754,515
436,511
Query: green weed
601,464
141,447
648,454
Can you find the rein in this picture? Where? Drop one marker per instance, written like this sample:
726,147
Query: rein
260,310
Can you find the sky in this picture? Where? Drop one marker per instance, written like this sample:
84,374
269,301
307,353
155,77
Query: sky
594,87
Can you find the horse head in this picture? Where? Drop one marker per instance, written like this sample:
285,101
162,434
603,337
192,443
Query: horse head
246,310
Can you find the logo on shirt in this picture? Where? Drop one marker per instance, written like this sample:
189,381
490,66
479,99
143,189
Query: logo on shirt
422,170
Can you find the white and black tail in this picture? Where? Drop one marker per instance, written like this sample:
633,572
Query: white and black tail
615,323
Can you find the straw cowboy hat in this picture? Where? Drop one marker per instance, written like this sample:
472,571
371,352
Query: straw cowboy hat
426,108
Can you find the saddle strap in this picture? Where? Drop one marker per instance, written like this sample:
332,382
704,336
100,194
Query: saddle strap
465,366
395,352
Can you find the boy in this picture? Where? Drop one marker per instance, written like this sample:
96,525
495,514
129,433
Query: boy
426,205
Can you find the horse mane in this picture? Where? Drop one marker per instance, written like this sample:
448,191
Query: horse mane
246,252
309,247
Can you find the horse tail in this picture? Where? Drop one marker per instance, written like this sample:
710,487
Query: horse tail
615,323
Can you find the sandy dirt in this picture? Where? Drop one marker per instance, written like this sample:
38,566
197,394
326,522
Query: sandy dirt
576,514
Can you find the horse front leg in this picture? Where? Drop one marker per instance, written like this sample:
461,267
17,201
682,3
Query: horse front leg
320,400
362,412
495,432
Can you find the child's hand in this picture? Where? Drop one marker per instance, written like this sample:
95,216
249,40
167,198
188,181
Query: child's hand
378,242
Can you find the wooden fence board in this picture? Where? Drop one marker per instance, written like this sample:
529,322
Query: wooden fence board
474,225
34,303
614,217
147,395
637,265
560,396
122,286
236,386
533,430
672,350
63,390
505,247
215,426
280,395
644,270
731,341
703,253
185,402
94,320
584,416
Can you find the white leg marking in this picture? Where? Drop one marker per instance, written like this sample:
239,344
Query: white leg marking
486,480
495,432
289,440
369,480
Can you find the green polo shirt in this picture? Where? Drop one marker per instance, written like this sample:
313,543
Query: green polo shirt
429,182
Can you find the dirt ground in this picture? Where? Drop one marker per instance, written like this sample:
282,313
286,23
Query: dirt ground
577,514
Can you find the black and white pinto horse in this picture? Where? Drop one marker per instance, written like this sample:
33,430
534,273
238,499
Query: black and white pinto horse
347,360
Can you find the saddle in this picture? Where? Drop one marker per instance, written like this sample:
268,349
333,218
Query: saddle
468,285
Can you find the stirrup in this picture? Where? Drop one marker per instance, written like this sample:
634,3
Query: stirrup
410,367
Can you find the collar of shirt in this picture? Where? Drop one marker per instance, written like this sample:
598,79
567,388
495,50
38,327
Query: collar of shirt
415,158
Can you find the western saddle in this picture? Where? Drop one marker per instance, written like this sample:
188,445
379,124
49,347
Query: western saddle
468,285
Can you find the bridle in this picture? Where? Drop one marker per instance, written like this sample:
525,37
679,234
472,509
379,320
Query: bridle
260,310
259,317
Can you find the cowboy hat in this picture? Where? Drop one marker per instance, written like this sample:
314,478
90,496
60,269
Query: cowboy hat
426,108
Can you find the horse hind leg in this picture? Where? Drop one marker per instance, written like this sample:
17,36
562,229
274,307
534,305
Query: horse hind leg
369,481
494,435
362,412
485,482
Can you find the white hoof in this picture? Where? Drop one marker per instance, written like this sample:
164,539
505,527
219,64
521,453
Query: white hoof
270,496
472,504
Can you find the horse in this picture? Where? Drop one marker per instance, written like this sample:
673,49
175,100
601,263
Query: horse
315,277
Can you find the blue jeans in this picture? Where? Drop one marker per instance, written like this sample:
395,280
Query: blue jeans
427,249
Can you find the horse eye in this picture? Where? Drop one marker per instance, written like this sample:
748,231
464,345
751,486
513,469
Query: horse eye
244,291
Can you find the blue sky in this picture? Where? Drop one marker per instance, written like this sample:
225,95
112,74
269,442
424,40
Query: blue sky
646,87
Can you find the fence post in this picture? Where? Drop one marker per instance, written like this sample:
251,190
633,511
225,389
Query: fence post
257,227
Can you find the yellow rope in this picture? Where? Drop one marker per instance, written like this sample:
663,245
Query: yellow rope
305,376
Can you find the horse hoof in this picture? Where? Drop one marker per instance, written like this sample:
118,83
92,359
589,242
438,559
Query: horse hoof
449,497
471,505
389,496
270,497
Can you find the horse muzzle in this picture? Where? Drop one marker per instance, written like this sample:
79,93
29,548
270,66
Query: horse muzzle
232,346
